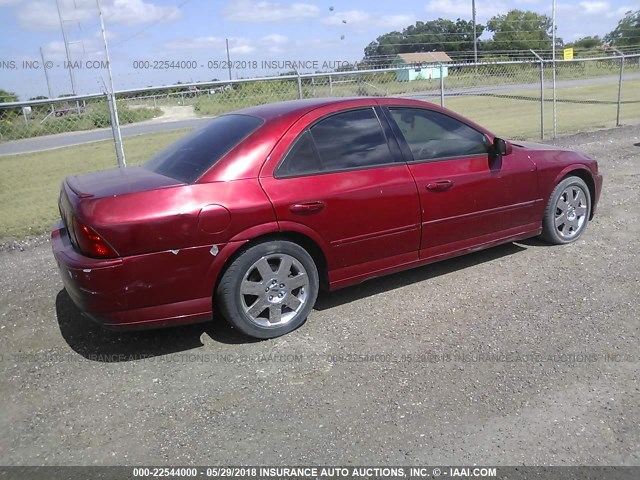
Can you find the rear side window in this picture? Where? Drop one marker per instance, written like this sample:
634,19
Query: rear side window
344,141
192,155
301,159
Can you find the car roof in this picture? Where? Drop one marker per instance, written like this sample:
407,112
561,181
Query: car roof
291,110
271,111
299,108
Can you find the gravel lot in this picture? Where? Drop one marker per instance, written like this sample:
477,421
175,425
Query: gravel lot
522,354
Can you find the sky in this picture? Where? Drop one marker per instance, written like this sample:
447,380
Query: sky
144,33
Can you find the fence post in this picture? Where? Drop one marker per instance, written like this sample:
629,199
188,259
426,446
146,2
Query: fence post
115,129
541,100
299,86
330,86
541,94
555,111
441,85
620,87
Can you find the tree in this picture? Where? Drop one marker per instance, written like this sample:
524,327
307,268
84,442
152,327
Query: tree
586,42
8,113
39,97
385,46
521,30
627,33
439,35
6,97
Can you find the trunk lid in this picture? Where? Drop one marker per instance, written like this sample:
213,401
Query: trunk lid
118,181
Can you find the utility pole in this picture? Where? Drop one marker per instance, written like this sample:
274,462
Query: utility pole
66,49
46,73
115,123
475,37
228,58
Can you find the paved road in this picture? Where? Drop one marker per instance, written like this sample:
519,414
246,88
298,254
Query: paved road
75,138
523,354
68,139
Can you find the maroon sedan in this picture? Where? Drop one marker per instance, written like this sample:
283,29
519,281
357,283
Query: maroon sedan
256,211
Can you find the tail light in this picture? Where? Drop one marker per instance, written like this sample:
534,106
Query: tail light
89,242
83,237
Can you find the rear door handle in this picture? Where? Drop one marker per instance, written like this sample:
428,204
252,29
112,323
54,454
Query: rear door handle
307,208
440,186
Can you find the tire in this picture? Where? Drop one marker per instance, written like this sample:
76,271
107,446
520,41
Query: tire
567,213
269,289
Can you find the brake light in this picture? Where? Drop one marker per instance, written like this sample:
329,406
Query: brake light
90,243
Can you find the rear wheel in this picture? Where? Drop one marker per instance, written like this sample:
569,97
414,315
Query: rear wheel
567,212
269,289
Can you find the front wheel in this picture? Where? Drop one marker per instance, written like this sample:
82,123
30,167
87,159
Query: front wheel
269,289
567,212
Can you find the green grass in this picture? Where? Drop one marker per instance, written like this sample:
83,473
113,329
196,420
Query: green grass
30,183
520,119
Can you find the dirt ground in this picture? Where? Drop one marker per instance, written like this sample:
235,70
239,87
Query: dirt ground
172,114
524,354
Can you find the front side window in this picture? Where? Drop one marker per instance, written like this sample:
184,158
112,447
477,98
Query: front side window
191,156
433,135
345,141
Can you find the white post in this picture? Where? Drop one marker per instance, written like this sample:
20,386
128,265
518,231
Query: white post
228,58
441,86
475,39
553,50
541,94
46,76
66,49
115,123
46,73
299,85
619,84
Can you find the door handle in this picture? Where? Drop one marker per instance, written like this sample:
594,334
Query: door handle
440,186
307,208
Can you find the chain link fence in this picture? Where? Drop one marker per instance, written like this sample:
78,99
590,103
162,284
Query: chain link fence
513,98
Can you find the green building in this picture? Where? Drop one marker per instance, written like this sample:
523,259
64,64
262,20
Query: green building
421,66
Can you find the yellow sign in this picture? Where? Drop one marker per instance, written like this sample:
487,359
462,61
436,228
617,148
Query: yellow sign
568,53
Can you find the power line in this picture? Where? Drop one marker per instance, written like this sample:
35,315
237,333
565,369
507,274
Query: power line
450,33
459,42
151,25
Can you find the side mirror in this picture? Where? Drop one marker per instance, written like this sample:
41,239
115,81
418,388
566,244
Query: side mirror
502,147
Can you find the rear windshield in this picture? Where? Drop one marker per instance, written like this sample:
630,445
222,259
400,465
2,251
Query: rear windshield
188,158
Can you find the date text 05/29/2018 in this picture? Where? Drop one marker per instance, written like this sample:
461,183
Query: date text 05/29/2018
241,64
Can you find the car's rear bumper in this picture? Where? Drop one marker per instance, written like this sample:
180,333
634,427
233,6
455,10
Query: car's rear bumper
131,292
